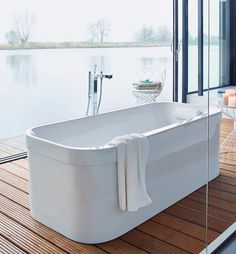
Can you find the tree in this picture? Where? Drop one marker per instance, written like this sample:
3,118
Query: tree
93,31
23,26
146,33
163,34
12,37
99,30
103,28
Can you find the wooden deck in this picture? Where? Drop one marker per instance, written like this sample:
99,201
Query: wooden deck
11,146
179,229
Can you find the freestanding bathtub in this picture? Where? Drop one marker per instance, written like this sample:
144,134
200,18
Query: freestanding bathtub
73,185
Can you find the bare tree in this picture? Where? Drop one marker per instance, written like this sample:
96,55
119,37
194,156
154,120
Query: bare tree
12,37
93,31
103,28
146,33
99,30
163,34
23,26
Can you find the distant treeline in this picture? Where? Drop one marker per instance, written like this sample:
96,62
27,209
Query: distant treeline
19,37
58,45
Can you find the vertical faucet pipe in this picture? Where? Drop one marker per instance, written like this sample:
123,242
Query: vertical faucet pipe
94,102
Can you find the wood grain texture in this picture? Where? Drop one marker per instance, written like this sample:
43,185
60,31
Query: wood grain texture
7,247
11,146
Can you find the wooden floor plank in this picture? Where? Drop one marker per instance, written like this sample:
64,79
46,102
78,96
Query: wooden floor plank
151,244
3,154
11,146
226,179
171,236
198,217
212,211
7,247
9,149
22,163
227,167
20,140
22,216
223,186
185,227
25,238
215,202
120,247
223,195
14,143
228,173
14,194
16,170
14,180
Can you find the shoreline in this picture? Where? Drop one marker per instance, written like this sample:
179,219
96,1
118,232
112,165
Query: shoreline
86,45
73,45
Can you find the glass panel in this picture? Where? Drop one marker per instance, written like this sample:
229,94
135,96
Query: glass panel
214,43
221,198
193,45
192,209
180,62
193,41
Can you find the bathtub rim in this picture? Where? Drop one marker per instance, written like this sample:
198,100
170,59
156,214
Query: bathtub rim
31,134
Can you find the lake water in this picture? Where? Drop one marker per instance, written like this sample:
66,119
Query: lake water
44,86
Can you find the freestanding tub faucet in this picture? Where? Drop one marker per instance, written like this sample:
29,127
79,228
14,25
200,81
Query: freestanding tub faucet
93,101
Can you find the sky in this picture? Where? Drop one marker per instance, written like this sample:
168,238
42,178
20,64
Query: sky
67,20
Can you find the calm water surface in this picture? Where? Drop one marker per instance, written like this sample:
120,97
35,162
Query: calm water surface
44,86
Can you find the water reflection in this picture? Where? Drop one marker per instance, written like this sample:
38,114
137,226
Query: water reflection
101,62
163,60
147,61
151,61
56,82
23,70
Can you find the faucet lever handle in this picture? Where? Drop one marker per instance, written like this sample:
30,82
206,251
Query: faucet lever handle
108,76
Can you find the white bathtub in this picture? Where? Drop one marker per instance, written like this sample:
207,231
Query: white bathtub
73,185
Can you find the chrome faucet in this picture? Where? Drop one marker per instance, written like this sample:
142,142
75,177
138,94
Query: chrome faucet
93,101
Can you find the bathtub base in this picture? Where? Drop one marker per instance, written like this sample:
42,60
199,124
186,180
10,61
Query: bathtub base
96,223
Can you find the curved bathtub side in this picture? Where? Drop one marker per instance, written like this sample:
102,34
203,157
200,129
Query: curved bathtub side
80,201
73,200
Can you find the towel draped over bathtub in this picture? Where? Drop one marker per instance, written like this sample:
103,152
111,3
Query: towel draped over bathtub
132,153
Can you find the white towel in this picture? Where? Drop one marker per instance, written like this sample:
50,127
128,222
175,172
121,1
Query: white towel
132,154
186,113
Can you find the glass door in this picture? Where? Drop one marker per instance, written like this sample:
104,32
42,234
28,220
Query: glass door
222,91
208,46
193,29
